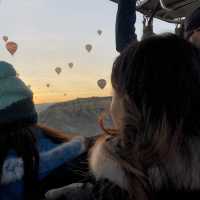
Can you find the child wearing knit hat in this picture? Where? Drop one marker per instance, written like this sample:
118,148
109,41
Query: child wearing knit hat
16,103
29,153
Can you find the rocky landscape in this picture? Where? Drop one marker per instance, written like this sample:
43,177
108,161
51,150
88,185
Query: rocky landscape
78,116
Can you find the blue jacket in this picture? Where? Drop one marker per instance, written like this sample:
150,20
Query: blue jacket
52,156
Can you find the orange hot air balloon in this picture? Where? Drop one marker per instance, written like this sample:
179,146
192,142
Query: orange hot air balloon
5,38
101,83
11,47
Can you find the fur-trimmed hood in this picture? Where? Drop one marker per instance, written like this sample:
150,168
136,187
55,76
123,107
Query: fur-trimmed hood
177,170
103,163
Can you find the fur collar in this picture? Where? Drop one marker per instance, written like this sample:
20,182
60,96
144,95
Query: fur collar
103,165
182,172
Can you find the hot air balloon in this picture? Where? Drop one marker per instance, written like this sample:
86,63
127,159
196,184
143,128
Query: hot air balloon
58,70
99,32
48,85
5,38
101,83
65,94
71,65
88,47
11,47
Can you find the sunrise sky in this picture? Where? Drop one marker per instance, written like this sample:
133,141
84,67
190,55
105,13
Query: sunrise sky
52,33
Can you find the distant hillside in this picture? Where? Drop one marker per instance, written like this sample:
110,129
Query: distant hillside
77,116
41,107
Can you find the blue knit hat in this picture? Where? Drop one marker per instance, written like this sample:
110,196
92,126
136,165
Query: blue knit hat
16,99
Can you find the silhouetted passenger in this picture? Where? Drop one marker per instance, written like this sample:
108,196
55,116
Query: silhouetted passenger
28,152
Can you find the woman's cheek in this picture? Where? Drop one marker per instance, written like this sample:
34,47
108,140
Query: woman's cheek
116,113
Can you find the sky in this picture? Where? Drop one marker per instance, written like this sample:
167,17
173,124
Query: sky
53,33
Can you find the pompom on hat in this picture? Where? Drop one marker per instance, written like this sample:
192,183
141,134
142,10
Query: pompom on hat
16,99
192,23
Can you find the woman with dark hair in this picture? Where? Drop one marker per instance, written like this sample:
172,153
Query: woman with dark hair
153,153
29,152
